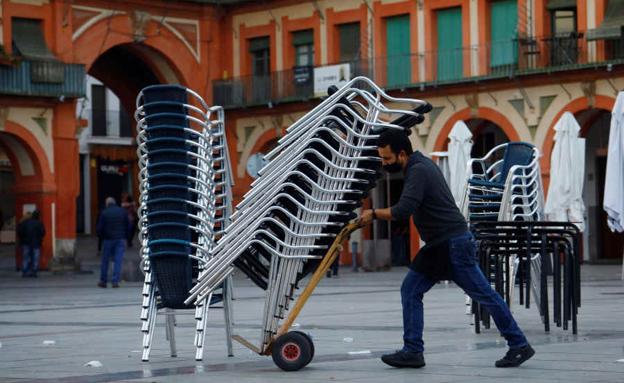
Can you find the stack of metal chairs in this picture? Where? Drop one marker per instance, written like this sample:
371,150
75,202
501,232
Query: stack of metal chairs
185,205
504,204
555,244
317,176
505,185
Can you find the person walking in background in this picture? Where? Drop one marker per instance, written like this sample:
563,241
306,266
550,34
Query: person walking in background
113,227
128,203
30,233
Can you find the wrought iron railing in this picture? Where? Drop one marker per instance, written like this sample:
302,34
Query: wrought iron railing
111,123
497,59
42,78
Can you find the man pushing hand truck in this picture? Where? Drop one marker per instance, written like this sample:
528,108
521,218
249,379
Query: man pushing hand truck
449,253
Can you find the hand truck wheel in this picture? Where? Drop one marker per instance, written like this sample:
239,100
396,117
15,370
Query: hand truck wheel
309,338
292,351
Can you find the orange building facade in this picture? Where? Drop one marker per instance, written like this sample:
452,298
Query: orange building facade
507,84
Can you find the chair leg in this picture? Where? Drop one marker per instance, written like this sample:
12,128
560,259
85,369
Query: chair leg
148,333
170,332
148,313
227,313
201,316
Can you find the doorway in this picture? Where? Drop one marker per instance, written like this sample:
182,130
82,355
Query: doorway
599,243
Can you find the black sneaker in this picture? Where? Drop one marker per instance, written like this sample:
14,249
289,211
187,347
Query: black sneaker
516,356
404,359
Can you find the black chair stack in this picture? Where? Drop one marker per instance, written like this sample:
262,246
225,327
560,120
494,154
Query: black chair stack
557,247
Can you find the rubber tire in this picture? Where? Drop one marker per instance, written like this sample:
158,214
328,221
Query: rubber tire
295,341
309,338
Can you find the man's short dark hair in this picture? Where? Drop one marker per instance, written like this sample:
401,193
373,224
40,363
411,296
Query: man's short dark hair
397,139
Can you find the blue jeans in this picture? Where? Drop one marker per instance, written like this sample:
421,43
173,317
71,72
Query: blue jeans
112,248
466,274
30,259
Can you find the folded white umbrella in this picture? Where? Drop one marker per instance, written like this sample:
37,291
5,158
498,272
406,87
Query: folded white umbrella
614,180
567,168
459,149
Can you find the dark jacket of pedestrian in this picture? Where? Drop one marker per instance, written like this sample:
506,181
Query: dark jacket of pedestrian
113,223
31,231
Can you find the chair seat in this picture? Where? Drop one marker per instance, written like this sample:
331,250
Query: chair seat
487,184
484,217
480,207
489,197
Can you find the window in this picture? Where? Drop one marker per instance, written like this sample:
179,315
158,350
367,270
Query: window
303,41
563,22
398,70
349,40
503,34
260,58
260,85
450,52
98,110
564,44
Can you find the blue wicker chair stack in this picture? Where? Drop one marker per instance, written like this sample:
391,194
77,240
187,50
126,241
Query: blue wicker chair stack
185,204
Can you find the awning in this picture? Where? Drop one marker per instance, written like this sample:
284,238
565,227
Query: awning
29,43
29,40
560,4
611,26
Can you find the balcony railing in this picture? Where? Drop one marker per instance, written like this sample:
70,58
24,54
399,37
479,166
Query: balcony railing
498,59
42,78
295,84
110,123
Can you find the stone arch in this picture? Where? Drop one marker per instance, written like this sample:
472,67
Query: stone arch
34,181
481,113
157,50
575,106
28,157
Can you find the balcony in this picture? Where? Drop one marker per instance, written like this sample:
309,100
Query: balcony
295,84
495,60
108,126
42,79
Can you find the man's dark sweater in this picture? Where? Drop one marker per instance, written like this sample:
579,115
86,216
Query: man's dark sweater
428,199
31,233
113,223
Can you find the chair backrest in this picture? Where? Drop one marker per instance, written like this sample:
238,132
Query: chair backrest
516,153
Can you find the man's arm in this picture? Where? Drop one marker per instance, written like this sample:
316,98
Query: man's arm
367,215
411,198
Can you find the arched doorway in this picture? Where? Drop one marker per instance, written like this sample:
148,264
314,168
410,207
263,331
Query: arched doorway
7,205
108,157
600,244
25,185
486,135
